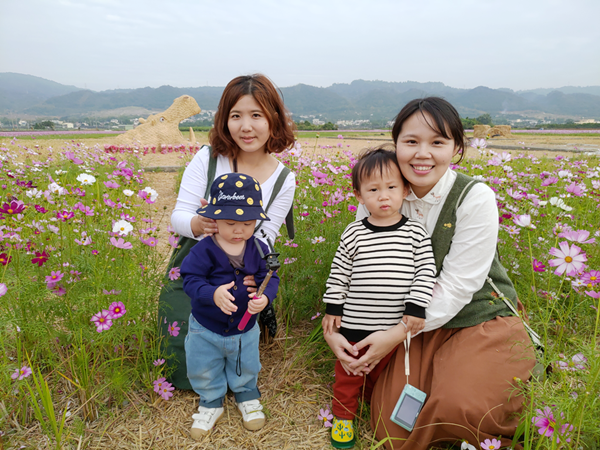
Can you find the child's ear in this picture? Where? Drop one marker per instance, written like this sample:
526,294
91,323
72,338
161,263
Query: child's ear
358,197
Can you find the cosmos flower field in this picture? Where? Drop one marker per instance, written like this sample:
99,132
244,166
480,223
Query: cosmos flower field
81,273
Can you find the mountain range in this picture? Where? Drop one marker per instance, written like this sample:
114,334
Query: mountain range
34,96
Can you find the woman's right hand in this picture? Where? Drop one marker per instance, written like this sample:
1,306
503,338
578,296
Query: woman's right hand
203,225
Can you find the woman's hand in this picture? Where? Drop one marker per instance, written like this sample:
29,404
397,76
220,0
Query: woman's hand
203,225
343,351
380,344
249,281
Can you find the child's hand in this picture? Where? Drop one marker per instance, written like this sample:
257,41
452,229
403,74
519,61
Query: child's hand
413,324
329,322
223,298
257,305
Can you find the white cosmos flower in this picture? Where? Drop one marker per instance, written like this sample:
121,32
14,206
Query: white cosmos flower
128,192
318,240
560,203
54,187
34,193
151,192
122,227
86,179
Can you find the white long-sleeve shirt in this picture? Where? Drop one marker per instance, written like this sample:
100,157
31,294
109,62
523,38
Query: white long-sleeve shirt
468,262
193,188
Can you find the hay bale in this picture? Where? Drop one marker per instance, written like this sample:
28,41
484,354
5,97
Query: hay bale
500,130
480,131
162,128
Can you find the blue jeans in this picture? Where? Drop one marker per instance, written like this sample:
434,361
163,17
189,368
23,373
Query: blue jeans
215,361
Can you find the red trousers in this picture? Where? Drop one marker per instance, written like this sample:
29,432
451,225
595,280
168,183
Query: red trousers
348,388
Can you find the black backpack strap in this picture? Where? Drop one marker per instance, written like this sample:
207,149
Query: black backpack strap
276,189
212,169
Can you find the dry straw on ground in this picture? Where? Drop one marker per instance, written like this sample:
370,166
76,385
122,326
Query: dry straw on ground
292,391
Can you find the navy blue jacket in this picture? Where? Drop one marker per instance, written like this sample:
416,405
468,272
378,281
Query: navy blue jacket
206,268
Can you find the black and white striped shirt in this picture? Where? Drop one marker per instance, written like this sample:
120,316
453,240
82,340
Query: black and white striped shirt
378,274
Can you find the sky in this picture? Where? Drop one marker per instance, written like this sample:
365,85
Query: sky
112,44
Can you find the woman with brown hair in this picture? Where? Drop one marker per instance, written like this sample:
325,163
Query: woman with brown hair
251,123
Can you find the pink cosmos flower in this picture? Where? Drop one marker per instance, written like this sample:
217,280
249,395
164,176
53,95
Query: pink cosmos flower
150,242
325,416
102,320
538,266
577,362
352,208
591,278
174,274
576,189
121,243
3,289
158,362
550,180
592,294
116,309
21,373
65,215
111,292
165,390
580,236
569,259
158,384
111,184
40,258
54,277
546,424
493,444
174,329
173,241
57,290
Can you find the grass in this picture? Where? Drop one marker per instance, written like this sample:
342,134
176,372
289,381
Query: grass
103,381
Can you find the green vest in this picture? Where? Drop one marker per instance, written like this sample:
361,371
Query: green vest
485,304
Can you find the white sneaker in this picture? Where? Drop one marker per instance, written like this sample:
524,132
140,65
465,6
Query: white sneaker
251,411
204,421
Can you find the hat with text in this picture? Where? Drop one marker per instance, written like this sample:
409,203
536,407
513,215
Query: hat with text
234,196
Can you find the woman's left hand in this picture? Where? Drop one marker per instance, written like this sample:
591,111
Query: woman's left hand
380,344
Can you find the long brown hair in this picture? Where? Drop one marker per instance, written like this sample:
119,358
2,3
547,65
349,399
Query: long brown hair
262,90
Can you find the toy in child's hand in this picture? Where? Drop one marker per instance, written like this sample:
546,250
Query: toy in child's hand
272,264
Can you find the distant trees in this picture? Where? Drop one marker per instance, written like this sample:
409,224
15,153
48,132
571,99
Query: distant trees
306,125
484,119
44,125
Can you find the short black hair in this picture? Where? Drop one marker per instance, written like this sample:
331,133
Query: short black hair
444,116
371,159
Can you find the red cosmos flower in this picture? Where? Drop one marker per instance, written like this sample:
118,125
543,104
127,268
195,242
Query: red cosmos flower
4,259
14,207
40,258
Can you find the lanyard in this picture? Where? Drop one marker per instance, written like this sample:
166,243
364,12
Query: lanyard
406,358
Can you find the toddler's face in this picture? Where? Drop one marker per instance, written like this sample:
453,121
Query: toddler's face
235,232
383,195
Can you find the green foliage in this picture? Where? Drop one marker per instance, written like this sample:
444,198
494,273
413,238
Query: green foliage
306,125
44,125
97,370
